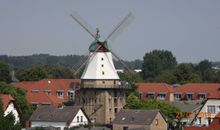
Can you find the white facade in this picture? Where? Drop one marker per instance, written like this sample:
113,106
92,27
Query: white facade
209,110
100,66
79,119
11,109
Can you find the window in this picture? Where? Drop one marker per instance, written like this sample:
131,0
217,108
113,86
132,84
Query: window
150,95
71,95
116,110
34,91
162,96
60,94
211,109
102,65
177,96
202,96
189,96
103,82
103,72
77,118
156,122
125,128
81,118
102,59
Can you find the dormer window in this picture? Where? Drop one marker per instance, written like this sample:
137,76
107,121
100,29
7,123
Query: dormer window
202,96
34,90
60,93
162,95
189,96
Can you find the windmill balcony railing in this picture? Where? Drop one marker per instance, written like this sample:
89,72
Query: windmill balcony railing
122,86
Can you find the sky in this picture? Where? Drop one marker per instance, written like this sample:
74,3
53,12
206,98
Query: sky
190,29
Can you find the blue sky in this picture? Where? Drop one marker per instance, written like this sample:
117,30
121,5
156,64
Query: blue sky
189,29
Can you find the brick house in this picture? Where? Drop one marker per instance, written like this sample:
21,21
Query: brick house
160,91
139,119
197,91
49,91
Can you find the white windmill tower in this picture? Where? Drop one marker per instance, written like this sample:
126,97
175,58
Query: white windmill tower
102,94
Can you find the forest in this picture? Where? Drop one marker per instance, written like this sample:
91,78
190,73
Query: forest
156,66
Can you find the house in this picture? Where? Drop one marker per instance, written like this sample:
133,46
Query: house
139,119
207,112
215,125
9,106
50,91
59,117
197,91
188,108
160,91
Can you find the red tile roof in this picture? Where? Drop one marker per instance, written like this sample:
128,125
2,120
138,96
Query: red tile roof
212,89
6,98
154,87
47,84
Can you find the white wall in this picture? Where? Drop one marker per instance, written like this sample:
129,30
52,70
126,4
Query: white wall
47,124
75,123
63,124
11,108
204,119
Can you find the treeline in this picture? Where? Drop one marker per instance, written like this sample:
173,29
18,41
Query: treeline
157,66
162,66
73,61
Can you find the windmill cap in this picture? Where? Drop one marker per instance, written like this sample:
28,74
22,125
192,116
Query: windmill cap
93,45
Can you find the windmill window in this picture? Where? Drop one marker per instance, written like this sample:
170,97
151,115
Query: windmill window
103,82
102,59
103,72
102,65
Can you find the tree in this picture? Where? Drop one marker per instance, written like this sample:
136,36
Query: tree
7,122
4,72
170,111
19,96
34,73
157,61
204,68
166,76
185,74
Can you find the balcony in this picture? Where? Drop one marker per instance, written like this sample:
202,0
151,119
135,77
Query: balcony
105,86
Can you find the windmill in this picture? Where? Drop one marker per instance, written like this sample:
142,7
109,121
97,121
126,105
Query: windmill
102,93
100,43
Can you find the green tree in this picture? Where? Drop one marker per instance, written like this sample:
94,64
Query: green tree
170,111
157,61
7,122
204,68
19,96
33,73
4,72
166,76
185,74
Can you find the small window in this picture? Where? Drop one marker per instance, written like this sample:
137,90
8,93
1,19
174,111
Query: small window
103,82
77,118
102,59
102,65
81,118
103,72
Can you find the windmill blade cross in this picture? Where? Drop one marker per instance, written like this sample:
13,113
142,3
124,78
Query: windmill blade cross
120,27
84,24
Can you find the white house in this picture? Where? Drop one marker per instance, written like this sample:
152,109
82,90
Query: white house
9,106
207,112
63,117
